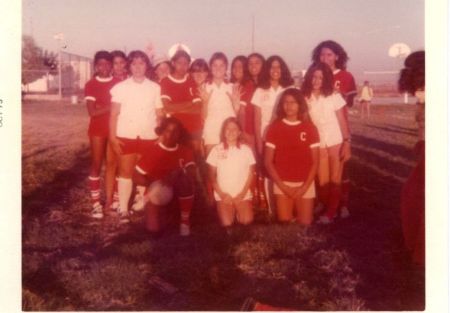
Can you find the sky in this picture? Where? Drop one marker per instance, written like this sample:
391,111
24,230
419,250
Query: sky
289,28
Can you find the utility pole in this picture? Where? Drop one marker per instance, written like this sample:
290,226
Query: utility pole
253,32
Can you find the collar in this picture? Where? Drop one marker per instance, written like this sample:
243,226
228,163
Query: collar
167,148
103,80
286,121
178,80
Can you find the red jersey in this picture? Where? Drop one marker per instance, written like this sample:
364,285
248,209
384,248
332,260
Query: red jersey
97,90
292,142
344,83
182,90
248,91
159,161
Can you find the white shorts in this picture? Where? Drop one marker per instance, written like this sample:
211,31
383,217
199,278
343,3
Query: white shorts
309,194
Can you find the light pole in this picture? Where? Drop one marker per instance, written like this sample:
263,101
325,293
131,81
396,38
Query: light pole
59,38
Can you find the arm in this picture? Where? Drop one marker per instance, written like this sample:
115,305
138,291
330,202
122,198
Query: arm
160,113
257,121
345,152
268,163
213,178
240,196
94,111
312,173
116,143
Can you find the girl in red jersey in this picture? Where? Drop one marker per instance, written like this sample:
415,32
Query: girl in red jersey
334,55
120,73
171,162
412,205
136,109
326,111
178,95
98,102
231,167
292,157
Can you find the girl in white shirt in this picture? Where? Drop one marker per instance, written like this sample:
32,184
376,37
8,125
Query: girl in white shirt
136,106
326,111
220,100
231,167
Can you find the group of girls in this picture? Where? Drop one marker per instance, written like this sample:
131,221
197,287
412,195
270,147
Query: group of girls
264,141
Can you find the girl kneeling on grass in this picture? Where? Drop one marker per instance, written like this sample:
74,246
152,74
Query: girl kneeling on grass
172,163
292,157
136,107
231,168
326,109
98,102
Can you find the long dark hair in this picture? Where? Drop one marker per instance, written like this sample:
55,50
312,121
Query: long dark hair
299,99
285,79
327,83
341,62
412,76
184,135
243,60
223,140
136,54
263,61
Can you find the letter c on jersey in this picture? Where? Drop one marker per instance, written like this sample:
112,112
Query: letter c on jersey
303,136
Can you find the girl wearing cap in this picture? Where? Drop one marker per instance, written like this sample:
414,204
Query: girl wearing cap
326,109
136,109
98,102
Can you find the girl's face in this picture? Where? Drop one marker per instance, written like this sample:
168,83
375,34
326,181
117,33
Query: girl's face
237,71
170,135
290,107
232,133
275,71
181,66
162,71
199,76
328,57
119,66
103,68
317,80
255,65
218,69
138,68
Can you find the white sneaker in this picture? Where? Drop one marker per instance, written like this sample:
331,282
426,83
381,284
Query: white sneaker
344,212
325,220
185,229
97,210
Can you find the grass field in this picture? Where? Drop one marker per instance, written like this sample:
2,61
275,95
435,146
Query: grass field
71,262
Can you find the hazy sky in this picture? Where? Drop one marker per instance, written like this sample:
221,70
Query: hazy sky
290,28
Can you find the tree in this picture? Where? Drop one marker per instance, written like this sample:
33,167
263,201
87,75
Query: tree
36,62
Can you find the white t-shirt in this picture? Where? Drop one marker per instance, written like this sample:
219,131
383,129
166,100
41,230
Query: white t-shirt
138,104
323,114
233,166
266,100
219,109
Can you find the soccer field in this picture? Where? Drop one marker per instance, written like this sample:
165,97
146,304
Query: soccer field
72,262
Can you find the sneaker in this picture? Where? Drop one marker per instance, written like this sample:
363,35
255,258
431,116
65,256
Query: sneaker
185,229
323,219
97,210
344,212
123,217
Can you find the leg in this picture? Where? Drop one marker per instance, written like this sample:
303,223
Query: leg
184,188
110,175
153,218
226,213
304,208
323,175
127,163
336,167
244,212
285,208
98,145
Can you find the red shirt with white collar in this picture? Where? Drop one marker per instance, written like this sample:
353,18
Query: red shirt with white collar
182,90
344,83
159,161
292,142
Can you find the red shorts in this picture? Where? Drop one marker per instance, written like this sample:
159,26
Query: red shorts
99,127
137,145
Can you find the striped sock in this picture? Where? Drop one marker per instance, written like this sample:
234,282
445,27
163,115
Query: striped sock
94,188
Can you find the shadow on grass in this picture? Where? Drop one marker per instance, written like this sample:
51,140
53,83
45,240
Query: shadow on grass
396,129
393,149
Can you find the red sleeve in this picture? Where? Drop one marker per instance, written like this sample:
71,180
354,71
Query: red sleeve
188,156
89,91
350,86
314,139
146,163
165,89
193,91
271,140
247,94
